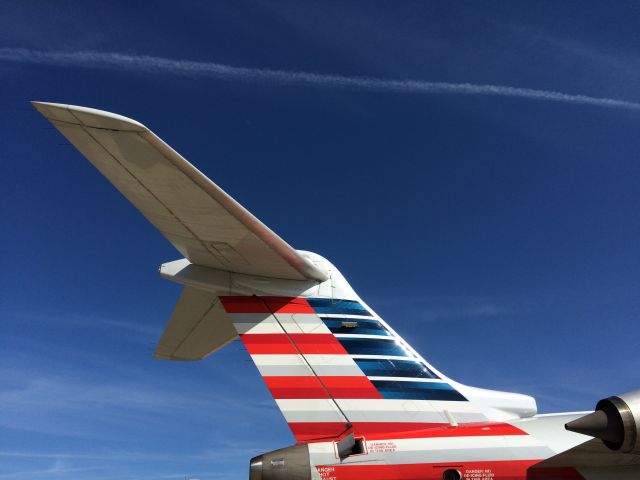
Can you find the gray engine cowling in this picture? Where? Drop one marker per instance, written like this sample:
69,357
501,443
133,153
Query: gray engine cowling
291,463
616,422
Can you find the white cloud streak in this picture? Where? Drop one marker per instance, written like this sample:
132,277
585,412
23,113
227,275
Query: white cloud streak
193,69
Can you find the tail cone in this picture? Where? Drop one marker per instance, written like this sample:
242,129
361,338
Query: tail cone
605,424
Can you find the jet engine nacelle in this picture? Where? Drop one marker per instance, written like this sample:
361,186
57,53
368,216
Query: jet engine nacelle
616,422
291,463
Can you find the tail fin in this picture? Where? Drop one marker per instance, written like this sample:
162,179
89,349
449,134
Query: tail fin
333,366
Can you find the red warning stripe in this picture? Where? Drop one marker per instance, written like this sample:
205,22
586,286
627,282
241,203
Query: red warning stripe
446,430
315,431
282,344
355,387
498,469
265,305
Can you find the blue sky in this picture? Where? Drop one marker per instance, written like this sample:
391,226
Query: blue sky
472,170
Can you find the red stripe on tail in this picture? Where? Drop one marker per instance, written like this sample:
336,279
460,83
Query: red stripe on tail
281,343
317,387
266,305
313,431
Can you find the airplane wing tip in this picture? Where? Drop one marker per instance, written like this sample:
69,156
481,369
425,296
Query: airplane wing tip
88,117
182,187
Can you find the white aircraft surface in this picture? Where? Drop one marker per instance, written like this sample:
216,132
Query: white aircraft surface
360,402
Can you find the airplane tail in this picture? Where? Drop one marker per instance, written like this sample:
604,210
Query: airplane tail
333,366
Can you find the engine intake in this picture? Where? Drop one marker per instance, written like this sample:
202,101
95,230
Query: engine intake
616,422
291,463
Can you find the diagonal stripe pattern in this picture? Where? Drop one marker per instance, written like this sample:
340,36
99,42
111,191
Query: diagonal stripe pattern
332,364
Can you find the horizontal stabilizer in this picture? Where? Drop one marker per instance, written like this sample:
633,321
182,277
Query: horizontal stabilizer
197,328
202,221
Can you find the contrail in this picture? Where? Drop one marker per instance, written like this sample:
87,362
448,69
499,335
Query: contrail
193,69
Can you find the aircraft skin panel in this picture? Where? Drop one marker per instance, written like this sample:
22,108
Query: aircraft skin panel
466,449
595,461
382,410
476,470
